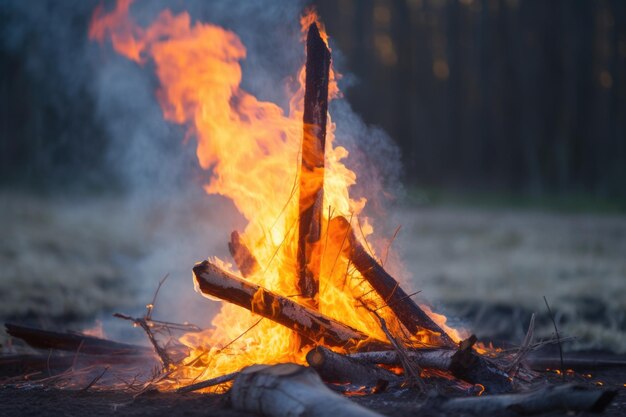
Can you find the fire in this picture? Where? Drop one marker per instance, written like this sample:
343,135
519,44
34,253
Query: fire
252,149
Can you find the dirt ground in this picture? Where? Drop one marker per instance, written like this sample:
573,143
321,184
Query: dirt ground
51,402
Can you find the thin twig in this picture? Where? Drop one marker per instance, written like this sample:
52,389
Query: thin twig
143,323
96,379
395,234
208,383
525,348
150,307
558,338
411,370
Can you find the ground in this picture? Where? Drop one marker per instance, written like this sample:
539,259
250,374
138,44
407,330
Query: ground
40,402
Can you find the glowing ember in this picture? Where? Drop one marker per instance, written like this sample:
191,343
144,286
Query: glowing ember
252,148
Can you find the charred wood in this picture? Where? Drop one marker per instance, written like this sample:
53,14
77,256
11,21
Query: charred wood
431,358
244,259
541,363
470,366
336,368
290,390
566,398
309,323
72,341
312,165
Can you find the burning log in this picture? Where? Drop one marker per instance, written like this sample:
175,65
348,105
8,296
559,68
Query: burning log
405,309
312,166
565,398
310,324
288,390
431,358
464,363
336,368
244,259
72,341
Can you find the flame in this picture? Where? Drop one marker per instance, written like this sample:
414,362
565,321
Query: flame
252,149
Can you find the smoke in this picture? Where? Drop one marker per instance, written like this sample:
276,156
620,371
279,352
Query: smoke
150,159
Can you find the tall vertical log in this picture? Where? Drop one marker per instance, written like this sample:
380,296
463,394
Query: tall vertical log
312,166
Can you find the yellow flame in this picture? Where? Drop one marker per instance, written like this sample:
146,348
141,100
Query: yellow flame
252,148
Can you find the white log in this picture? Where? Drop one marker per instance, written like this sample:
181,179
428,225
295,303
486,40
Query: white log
290,390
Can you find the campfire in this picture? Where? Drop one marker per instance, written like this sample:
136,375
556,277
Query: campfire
309,308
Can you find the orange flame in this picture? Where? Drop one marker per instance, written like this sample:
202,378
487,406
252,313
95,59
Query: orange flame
252,148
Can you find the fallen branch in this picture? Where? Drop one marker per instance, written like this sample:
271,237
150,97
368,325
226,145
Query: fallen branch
71,341
341,369
552,398
310,324
289,390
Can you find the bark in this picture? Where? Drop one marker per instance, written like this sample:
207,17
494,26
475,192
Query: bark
290,390
312,166
468,365
244,259
403,306
565,398
309,323
336,368
432,358
72,341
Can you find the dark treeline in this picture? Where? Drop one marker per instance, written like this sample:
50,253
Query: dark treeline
515,95
523,95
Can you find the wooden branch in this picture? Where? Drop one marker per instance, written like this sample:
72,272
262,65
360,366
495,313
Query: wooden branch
309,323
336,368
468,365
244,259
431,358
402,305
565,398
541,363
312,166
71,341
464,363
290,390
